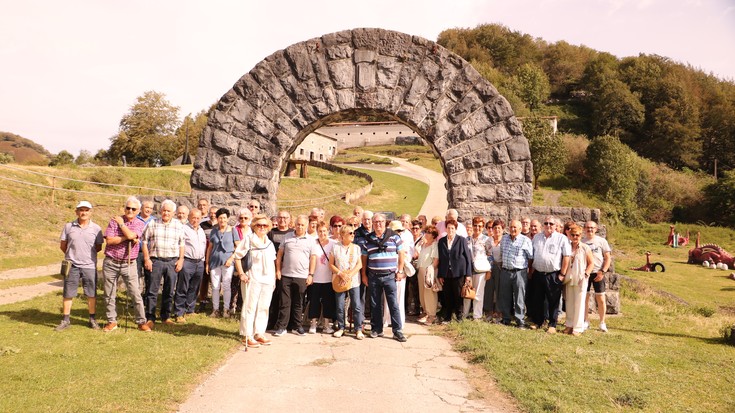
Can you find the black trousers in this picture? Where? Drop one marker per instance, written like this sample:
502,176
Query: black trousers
290,312
452,301
536,305
547,297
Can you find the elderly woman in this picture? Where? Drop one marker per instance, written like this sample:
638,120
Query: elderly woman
258,283
345,263
455,270
428,262
576,280
219,258
480,248
321,295
495,231
243,230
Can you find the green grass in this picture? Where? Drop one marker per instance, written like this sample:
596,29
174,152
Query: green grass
657,357
81,370
418,154
394,193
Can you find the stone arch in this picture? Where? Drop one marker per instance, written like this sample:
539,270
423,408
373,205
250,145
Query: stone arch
258,123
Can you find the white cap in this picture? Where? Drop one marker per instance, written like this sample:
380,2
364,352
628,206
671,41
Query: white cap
84,204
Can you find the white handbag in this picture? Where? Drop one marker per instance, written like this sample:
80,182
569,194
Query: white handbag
481,264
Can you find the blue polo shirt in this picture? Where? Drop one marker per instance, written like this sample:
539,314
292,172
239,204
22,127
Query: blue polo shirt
382,253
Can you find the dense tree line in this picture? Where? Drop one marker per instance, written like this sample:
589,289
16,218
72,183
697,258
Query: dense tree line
666,111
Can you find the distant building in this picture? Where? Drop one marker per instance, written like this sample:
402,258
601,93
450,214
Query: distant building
357,134
317,146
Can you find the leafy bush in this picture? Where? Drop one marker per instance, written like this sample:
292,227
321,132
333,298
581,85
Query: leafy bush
728,333
575,147
721,200
547,149
613,173
6,157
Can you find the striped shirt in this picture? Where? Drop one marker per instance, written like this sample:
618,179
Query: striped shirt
516,253
120,251
164,239
385,259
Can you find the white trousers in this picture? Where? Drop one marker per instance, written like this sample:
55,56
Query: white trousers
256,303
575,297
401,294
221,277
478,283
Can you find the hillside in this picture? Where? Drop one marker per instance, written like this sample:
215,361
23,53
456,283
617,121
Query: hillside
24,151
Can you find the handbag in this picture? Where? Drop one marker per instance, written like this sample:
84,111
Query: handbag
340,285
247,259
409,269
468,292
481,264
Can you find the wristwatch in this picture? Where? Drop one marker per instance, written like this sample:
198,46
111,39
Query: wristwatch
400,272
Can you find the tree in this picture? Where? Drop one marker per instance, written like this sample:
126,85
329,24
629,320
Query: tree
193,127
62,158
614,174
615,109
564,65
147,132
532,86
84,156
721,199
547,149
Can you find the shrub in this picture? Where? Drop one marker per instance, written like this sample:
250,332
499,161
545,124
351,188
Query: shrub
613,173
575,147
6,158
721,200
728,333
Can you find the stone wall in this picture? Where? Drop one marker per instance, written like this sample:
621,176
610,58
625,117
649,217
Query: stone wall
268,112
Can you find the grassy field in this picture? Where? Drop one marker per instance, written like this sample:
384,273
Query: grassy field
417,154
84,370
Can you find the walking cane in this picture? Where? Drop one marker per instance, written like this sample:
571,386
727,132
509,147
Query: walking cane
127,292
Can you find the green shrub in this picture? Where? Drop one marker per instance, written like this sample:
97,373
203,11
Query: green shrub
575,147
728,333
613,173
6,158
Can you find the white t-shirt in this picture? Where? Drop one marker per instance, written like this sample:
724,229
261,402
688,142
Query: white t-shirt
345,258
322,272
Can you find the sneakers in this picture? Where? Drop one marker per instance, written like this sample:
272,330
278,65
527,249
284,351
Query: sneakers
262,340
280,332
360,335
93,324
149,324
551,330
375,334
110,327
399,337
299,332
338,333
180,320
144,328
63,326
328,329
250,342
603,327
532,326
215,314
312,327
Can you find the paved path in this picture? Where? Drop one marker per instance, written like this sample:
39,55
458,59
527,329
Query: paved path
436,200
320,373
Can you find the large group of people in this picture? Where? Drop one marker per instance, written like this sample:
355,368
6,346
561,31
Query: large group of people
332,274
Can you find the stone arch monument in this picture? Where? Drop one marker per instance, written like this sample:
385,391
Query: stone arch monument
259,122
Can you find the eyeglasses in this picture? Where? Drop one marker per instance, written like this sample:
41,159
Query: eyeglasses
338,226
282,217
351,233
575,235
261,225
378,222
478,226
244,218
127,208
416,228
548,223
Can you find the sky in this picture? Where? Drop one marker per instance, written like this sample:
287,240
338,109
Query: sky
70,70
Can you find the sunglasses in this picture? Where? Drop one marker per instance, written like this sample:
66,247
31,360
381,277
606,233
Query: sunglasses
548,223
350,233
261,225
252,206
575,235
416,228
243,217
130,208
338,226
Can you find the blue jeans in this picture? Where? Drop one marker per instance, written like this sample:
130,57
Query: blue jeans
166,269
378,285
512,295
355,304
187,286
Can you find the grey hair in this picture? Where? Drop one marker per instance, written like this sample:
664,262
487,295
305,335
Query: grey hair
134,200
168,202
245,211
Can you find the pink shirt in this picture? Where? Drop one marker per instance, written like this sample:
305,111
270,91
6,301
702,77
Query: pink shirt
120,251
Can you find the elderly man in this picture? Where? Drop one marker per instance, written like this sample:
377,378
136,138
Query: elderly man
358,211
295,265
195,245
182,214
361,234
526,227
516,257
203,207
163,254
122,248
80,242
453,215
209,219
280,232
601,253
145,215
254,206
382,258
551,255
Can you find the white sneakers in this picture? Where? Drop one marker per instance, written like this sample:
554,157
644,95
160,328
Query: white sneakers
603,327
312,326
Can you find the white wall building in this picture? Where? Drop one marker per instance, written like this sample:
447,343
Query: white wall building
316,147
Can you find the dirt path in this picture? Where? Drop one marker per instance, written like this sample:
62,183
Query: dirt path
27,292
